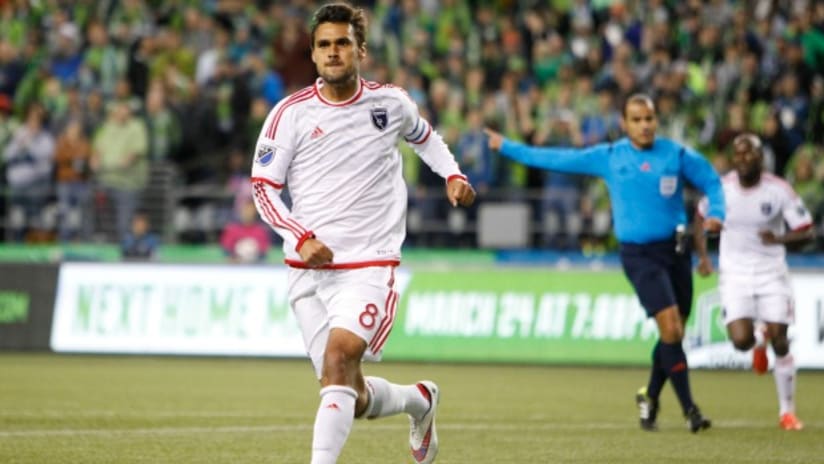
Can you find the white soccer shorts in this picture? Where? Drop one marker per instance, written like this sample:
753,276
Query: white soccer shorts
362,301
766,297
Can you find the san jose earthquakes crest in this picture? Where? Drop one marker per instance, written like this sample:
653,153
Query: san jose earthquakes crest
380,117
265,155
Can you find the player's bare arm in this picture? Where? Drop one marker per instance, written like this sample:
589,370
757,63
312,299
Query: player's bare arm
712,225
795,236
460,192
700,240
315,253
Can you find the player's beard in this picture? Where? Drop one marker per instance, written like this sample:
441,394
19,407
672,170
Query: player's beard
749,175
347,76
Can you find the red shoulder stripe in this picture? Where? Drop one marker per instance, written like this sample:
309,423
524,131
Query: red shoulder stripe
297,97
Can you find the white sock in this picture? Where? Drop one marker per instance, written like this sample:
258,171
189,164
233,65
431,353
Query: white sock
784,373
388,399
333,423
758,333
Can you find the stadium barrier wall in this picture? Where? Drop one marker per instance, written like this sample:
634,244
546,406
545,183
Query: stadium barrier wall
501,315
26,305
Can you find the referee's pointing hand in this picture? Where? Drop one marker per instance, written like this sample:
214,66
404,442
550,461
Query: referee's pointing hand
495,139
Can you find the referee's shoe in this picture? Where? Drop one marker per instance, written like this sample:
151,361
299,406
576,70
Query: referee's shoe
647,409
696,421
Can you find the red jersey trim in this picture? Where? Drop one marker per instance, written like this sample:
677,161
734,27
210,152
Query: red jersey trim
267,182
773,179
456,176
272,214
385,327
372,85
303,238
351,100
358,265
803,227
296,98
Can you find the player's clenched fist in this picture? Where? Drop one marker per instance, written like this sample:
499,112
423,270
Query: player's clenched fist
314,253
459,192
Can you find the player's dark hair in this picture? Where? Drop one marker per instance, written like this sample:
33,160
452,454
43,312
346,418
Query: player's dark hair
341,13
637,98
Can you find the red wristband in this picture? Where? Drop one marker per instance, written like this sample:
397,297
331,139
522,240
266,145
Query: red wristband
306,236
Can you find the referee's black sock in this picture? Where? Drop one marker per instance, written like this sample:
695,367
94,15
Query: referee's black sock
657,375
674,362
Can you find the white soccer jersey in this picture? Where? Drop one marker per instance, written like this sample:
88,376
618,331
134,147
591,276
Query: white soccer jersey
770,205
343,170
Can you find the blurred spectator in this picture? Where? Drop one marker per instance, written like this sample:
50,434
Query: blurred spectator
72,177
474,155
792,109
73,111
162,124
139,243
29,159
119,161
141,54
815,124
777,146
807,177
130,19
8,123
207,61
263,80
103,63
604,123
67,55
11,68
246,240
172,57
94,112
561,197
291,52
238,184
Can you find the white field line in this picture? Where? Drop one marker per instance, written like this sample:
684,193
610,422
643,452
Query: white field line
91,413
305,427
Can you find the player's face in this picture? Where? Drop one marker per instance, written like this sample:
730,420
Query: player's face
746,160
336,53
640,123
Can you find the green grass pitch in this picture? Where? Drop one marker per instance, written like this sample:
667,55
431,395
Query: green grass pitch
112,409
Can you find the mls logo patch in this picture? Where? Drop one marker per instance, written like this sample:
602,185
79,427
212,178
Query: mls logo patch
265,155
380,118
766,209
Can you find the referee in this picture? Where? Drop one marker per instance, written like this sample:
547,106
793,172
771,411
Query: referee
645,177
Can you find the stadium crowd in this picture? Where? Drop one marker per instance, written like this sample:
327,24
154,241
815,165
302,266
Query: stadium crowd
98,98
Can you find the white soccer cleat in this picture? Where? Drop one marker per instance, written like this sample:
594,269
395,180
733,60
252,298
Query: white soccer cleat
423,439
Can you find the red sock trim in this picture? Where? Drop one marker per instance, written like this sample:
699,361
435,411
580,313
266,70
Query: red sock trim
425,392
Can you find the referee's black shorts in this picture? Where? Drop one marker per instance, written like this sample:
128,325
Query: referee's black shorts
661,277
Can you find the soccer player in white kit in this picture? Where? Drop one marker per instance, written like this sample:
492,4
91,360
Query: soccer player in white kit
753,274
335,144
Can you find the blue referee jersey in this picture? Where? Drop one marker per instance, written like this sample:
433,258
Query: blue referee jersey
645,185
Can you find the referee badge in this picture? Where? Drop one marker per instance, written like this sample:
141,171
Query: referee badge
668,185
380,117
